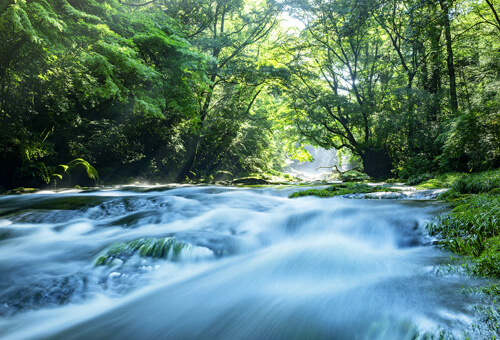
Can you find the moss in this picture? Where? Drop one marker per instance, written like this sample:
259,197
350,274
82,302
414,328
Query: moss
21,191
165,247
342,189
354,175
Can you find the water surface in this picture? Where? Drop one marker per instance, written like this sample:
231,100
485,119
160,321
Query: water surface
252,264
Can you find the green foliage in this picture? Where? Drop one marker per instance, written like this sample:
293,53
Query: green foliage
354,175
488,264
472,229
167,90
450,195
420,178
66,172
478,183
477,215
91,171
472,142
84,63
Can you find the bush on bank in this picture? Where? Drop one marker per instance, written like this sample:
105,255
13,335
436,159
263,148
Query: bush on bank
472,228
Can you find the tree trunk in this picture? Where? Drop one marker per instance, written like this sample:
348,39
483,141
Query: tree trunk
185,171
434,85
377,162
449,59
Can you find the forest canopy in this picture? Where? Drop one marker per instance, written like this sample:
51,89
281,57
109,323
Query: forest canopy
171,90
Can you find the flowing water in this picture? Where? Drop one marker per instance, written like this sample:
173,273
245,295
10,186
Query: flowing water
223,263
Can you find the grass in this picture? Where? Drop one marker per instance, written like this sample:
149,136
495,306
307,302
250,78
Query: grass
478,183
341,189
472,229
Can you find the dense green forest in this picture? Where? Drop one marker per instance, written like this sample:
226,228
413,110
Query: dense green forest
171,90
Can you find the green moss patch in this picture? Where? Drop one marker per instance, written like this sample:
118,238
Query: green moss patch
342,189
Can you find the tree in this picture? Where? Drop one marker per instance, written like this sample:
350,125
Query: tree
67,64
230,37
339,79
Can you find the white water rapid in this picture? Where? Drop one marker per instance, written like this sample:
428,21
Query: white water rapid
242,264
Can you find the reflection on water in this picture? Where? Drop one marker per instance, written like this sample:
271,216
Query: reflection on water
222,263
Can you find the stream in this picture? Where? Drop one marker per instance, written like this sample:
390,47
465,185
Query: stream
210,262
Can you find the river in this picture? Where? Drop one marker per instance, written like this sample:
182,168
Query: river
243,263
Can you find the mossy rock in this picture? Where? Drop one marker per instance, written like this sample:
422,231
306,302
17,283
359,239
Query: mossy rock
354,175
342,189
165,247
69,203
250,181
21,191
223,176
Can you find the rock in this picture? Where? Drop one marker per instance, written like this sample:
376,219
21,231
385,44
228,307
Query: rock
222,176
21,191
250,181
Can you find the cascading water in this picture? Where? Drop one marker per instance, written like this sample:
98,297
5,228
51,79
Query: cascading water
223,263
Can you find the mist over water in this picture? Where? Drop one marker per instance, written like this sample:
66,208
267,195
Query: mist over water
317,169
258,266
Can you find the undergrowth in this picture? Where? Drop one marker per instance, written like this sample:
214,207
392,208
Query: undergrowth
463,183
478,183
473,229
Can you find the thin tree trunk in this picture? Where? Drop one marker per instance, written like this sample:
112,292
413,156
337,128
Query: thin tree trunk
435,80
192,152
449,59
